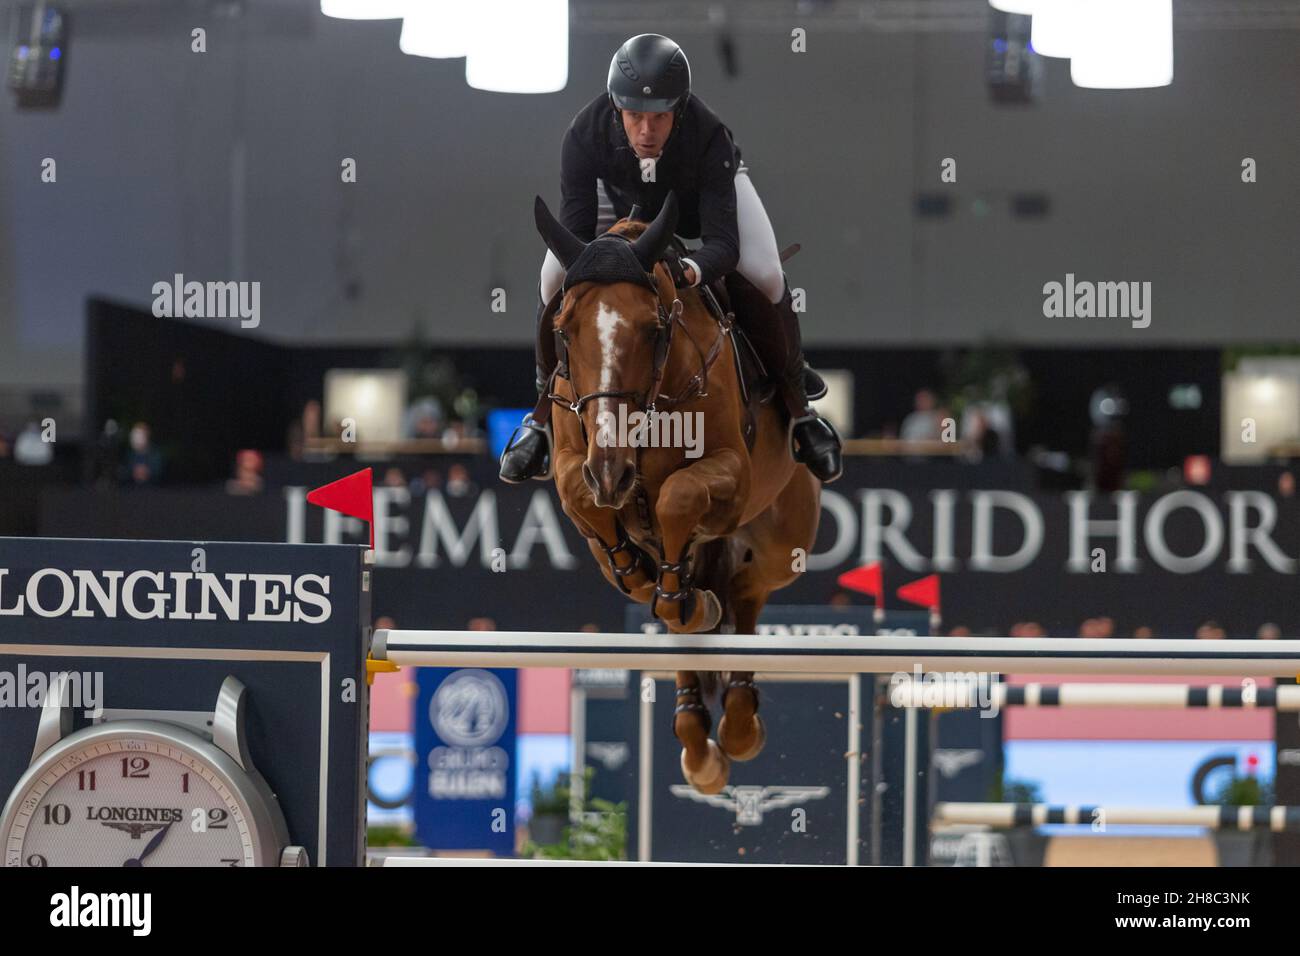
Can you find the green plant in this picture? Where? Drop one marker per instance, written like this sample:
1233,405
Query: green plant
1232,356
553,799
990,372
1243,791
390,835
600,832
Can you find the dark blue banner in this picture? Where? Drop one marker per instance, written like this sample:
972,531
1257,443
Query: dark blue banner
465,746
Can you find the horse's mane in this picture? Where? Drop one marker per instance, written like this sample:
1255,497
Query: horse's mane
629,227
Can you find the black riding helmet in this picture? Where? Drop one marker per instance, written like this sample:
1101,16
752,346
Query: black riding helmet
649,74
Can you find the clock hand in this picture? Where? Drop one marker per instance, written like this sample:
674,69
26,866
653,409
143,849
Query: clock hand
149,847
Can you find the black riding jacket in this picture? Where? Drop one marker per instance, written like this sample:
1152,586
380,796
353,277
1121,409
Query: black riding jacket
698,162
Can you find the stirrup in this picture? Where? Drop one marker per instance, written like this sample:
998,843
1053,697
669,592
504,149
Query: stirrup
814,417
548,456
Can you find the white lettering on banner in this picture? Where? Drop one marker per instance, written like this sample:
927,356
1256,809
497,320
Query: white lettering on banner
468,773
982,556
1154,532
439,525
945,509
158,595
839,508
389,525
876,533
1233,531
1083,530
1244,535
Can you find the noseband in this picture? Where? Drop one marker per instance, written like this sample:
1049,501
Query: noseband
669,318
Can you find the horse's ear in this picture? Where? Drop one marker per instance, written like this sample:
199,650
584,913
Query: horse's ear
649,246
566,246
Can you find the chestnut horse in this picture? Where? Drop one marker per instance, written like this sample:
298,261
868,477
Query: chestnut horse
705,532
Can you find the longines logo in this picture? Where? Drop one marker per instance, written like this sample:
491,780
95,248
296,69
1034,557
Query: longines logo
166,595
159,815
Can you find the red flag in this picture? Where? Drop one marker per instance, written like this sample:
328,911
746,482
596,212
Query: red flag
352,496
924,592
866,579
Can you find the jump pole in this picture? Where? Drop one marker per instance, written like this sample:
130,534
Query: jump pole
836,654
919,694
1011,815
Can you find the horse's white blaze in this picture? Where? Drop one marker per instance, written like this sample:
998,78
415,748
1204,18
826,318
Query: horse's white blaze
608,322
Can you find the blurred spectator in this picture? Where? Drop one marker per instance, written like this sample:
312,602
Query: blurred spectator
459,484
311,419
1028,629
424,419
4,445
481,624
991,425
1143,633
1211,631
590,629
979,439
425,482
1286,484
961,630
1108,407
248,474
1268,632
305,429
31,448
1095,627
841,599
143,465
924,423
394,478
453,434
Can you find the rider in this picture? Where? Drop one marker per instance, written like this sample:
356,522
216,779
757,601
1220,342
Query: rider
647,135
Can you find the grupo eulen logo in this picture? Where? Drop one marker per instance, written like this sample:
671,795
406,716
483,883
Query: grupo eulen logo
470,709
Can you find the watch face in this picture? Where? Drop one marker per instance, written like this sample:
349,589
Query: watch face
127,799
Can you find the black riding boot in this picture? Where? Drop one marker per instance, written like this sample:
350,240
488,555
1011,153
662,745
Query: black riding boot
774,331
528,455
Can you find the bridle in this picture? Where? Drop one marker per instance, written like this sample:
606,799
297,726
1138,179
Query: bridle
647,400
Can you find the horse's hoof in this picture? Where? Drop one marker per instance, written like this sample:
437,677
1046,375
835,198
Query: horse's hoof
707,615
760,739
712,777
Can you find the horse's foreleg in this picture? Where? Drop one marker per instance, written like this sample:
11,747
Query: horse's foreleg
704,765
740,731
705,498
624,565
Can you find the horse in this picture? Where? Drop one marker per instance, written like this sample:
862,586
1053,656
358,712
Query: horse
702,531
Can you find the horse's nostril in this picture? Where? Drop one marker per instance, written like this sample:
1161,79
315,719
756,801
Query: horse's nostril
589,476
629,476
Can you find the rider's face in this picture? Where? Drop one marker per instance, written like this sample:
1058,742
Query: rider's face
647,132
